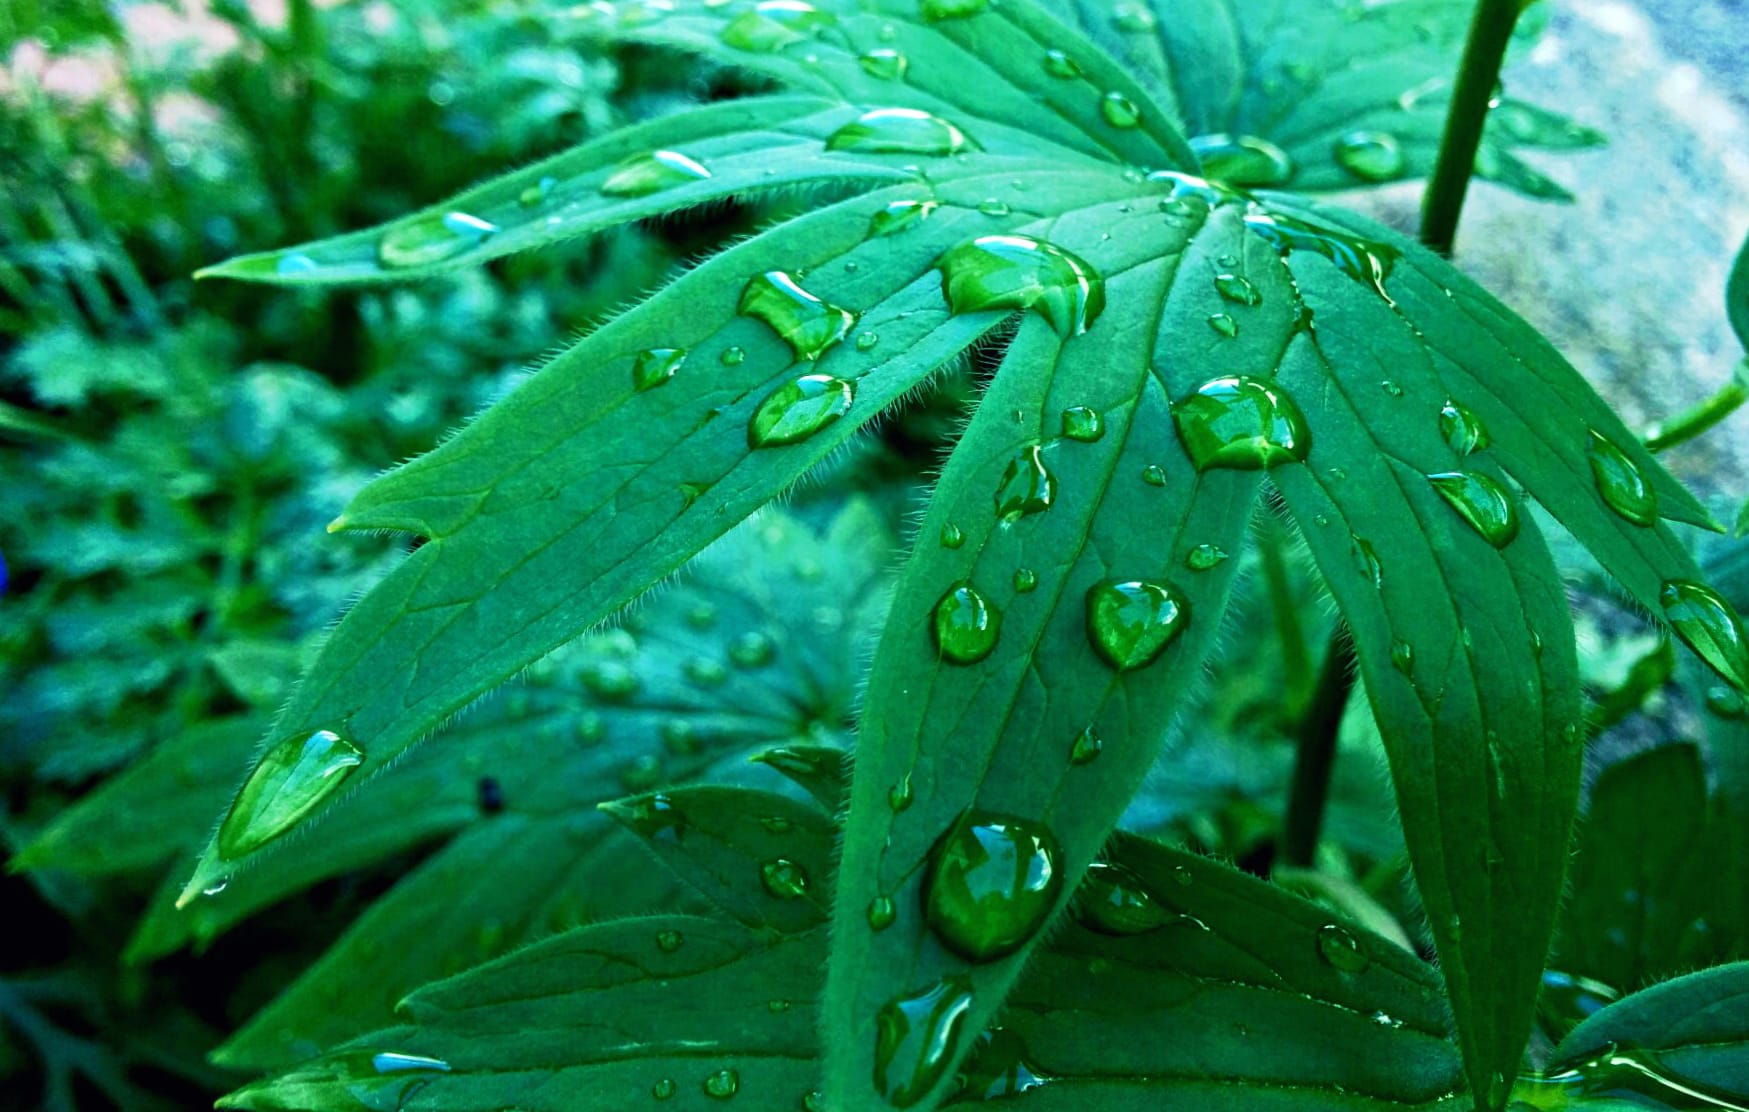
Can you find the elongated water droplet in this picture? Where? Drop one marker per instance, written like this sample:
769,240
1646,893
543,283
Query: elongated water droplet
295,264
1025,580
1620,482
433,238
993,881
916,1036
936,10
1710,626
1119,111
1241,423
377,1080
899,131
994,206
809,325
1020,272
644,174
1245,160
899,216
1027,486
1237,289
1482,502
1086,747
1366,561
966,625
952,536
773,25
655,367
1463,431
1204,557
1113,900
784,879
1130,622
799,409
881,913
1367,261
1083,424
1058,64
996,1067
1224,324
722,1084
1341,949
291,779
899,796
1370,155
884,63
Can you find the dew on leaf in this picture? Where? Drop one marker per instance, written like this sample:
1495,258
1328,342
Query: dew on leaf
1224,324
654,817
994,206
722,1084
1710,626
936,10
663,1089
1403,657
773,25
1620,482
1482,502
1020,272
1113,900
884,63
1237,289
996,1067
291,779
651,172
865,341
1245,160
295,264
881,913
433,238
1119,111
1086,747
706,672
899,796
952,536
1027,486
1370,155
1132,16
733,356
1205,557
1241,423
1367,261
809,325
538,193
1130,622
916,1036
668,941
899,131
899,216
655,367
1341,950
992,883
1154,475
1057,63
752,650
798,409
783,879
1025,580
610,680
1366,561
1462,430
1083,424
965,625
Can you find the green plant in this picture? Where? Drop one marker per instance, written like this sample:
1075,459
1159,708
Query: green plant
1180,349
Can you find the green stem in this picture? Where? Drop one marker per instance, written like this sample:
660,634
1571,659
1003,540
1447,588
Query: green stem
1693,421
1477,79
1316,759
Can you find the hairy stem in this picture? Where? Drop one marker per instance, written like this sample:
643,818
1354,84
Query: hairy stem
1477,78
1316,759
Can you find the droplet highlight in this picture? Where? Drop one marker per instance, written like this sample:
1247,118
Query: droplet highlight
993,881
1620,482
1241,423
651,172
899,131
1023,273
432,238
799,409
291,780
1130,622
1243,160
965,625
1482,502
809,325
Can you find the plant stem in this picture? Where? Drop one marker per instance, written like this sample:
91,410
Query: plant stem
1316,759
1697,419
1472,95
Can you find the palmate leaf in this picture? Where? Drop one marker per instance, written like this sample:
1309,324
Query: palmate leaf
692,1010
1035,654
1322,94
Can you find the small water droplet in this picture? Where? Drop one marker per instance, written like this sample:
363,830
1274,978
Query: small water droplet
1133,17
1245,160
1027,486
1204,557
295,264
1366,561
798,409
1403,657
899,216
994,206
783,879
1083,424
1710,626
1482,502
669,941
706,672
1237,289
1463,430
952,536
1025,580
773,25
1154,475
865,341
651,172
899,131
1130,622
1020,272
612,681
432,238
809,325
1620,482
1058,64
655,367
1086,747
993,881
1370,155
216,886
937,10
1119,111
1113,900
752,650
538,193
1224,324
899,795
291,780
966,625
1367,261
663,1089
881,913
814,1101
996,1067
1725,703
722,1084
884,63
916,1036
1341,949
1241,423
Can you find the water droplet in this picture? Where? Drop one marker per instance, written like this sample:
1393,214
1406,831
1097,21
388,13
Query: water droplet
733,356
642,773
994,206
1246,160
295,264
1083,424
1621,483
663,1089
995,1068
1059,64
432,238
1725,703
752,650
612,681
651,172
965,625
881,913
1027,486
669,941
993,881
1129,623
952,536
1367,261
1154,475
1366,560
1402,656
1482,502
936,10
654,817
706,672
799,409
1119,111
679,736
783,879
1370,155
722,1084
655,367
216,886
773,25
1204,557
884,63
1025,580
1710,626
1086,747
865,341
899,795
292,778
1113,900
1241,423
916,1036
810,326
1341,949
1463,430
1224,324
899,131
814,1101
899,216
1020,272
1132,16
538,193
1237,289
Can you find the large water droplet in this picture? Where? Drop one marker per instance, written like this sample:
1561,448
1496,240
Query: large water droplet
651,172
655,367
433,238
935,10
993,881
1621,483
1113,900
1020,272
1119,111
1027,486
884,63
291,779
799,409
810,326
1241,423
899,131
952,536
1365,260
1463,430
899,216
1247,160
783,879
773,25
1710,626
1482,502
1370,155
966,625
1083,424
916,1036
1130,623
1341,949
